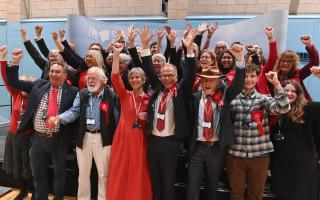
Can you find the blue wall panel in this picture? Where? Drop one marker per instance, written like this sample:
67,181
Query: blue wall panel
10,36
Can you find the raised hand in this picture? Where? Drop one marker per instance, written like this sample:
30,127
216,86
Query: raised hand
160,33
202,28
315,70
23,33
238,51
270,33
3,53
131,35
120,36
16,56
54,36
172,38
306,40
272,77
62,33
188,42
187,30
117,48
38,29
212,28
145,36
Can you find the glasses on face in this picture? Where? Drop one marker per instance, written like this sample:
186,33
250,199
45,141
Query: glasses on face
166,76
205,57
286,61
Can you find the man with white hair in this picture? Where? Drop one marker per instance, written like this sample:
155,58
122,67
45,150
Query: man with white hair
95,106
220,47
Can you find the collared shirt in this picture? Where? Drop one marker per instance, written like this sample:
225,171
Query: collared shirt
249,143
39,119
169,118
202,103
92,111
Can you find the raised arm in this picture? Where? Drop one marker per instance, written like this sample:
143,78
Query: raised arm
66,54
280,103
160,33
273,51
66,44
12,73
212,28
3,63
40,41
115,73
238,81
132,47
313,57
190,71
33,52
145,37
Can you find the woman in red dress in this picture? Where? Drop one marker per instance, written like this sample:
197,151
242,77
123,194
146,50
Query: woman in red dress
128,176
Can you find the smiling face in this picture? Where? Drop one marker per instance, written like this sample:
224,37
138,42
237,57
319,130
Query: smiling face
226,60
136,81
206,60
57,75
90,61
158,61
291,93
168,76
95,83
250,82
220,47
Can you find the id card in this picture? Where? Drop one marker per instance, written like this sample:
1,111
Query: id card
206,124
160,116
90,121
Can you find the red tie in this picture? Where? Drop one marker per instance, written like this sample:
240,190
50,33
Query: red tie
208,117
52,106
162,111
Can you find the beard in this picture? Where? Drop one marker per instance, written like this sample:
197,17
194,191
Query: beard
93,89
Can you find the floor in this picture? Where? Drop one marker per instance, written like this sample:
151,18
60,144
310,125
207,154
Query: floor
14,192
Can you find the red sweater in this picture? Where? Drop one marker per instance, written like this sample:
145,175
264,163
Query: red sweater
16,101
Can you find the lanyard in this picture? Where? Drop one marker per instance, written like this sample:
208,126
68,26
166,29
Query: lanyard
247,111
135,104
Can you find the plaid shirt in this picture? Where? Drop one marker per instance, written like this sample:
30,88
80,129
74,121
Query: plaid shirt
249,143
38,121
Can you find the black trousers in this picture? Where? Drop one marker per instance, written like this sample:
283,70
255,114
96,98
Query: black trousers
206,161
43,151
162,159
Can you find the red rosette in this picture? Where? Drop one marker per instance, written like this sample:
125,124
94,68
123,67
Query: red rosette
217,98
257,116
230,76
104,106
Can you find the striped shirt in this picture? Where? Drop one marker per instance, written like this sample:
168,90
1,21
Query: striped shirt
249,143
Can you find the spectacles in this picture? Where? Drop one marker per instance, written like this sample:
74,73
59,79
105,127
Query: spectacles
164,76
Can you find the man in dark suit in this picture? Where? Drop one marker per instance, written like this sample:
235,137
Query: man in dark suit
212,129
168,122
97,109
49,143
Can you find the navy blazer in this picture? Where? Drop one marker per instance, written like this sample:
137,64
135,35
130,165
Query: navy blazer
180,102
225,128
36,90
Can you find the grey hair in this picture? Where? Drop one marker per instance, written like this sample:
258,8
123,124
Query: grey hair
125,58
98,71
159,55
222,42
139,71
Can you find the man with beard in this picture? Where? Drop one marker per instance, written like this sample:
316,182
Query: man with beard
49,143
95,106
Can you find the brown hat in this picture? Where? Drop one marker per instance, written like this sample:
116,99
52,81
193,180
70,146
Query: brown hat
210,72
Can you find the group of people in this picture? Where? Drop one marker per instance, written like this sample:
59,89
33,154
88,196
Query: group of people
133,110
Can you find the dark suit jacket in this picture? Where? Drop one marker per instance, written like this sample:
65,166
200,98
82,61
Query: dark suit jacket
36,91
107,127
180,102
225,127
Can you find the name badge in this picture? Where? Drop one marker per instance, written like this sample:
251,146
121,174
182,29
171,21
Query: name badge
160,116
206,124
91,121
